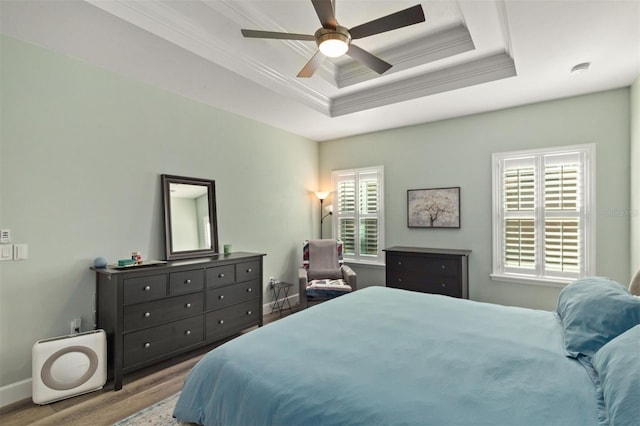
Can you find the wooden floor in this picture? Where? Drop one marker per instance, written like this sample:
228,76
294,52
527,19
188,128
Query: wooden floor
105,407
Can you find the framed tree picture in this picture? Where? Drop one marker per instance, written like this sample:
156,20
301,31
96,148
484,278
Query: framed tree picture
433,208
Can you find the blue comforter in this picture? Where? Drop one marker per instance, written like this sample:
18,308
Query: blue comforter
382,356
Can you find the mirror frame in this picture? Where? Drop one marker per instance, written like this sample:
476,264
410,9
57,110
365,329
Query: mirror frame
211,192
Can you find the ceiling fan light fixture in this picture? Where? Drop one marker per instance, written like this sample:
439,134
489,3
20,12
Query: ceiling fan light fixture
333,43
333,48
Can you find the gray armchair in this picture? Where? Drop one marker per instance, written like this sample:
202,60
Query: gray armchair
324,275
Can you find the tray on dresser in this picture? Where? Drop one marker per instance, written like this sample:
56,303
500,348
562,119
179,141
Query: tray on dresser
139,265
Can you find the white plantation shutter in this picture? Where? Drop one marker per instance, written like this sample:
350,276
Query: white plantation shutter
562,190
542,203
345,213
358,213
519,213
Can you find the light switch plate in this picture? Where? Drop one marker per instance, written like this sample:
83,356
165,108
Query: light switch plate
20,252
6,252
5,236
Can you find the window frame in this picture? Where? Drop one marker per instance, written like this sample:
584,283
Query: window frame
586,214
336,177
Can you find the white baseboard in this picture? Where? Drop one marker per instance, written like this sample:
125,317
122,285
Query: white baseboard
293,300
15,392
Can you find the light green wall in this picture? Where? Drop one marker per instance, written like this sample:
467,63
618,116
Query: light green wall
635,176
457,152
82,150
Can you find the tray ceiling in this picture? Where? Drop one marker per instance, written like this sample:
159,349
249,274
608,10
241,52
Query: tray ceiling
468,56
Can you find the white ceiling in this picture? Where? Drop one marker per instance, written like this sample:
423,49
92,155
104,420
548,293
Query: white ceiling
469,56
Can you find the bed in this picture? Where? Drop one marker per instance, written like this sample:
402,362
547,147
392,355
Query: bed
382,356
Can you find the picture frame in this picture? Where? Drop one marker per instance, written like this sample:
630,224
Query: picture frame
433,208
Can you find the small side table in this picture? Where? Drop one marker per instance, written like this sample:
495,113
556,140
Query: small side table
277,289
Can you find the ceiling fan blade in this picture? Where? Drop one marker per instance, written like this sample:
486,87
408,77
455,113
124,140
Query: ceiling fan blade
311,66
371,61
403,18
324,10
271,34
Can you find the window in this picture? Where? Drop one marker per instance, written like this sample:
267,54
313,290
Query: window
544,224
359,213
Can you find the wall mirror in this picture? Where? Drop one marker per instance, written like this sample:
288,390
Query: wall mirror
191,228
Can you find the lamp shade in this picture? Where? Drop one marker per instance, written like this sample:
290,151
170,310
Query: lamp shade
321,195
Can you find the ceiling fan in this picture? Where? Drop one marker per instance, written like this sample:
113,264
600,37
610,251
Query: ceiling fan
334,40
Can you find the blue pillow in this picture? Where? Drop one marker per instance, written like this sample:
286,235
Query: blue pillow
618,366
593,311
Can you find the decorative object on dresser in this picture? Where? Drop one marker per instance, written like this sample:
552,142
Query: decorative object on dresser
157,312
100,262
191,228
433,208
428,270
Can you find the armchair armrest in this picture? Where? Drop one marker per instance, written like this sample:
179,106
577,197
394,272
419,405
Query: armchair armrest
302,288
350,277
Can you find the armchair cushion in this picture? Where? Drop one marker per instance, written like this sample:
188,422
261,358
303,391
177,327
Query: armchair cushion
319,274
326,289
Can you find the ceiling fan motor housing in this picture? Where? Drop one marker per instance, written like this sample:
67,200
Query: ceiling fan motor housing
339,34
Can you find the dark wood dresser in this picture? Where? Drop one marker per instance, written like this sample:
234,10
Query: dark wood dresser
428,270
151,313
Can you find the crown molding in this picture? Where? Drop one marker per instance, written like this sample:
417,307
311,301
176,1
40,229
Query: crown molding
429,48
483,70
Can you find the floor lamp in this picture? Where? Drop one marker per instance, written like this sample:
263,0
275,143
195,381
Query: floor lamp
321,196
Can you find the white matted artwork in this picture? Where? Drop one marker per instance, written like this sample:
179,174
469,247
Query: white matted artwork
433,208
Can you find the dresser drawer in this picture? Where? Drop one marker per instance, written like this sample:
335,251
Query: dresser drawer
221,275
231,320
151,313
186,282
247,271
443,266
445,286
142,289
221,297
145,345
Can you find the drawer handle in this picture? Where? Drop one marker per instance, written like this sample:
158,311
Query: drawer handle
249,270
221,322
444,285
187,281
147,314
399,280
188,305
147,288
188,332
249,290
399,262
444,266
248,312
147,345
221,276
221,297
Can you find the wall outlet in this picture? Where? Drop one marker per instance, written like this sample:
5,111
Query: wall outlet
76,325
